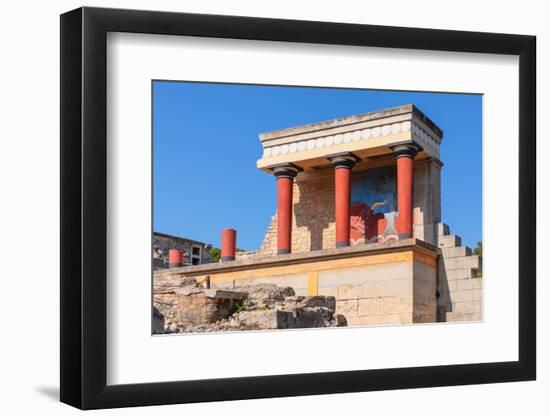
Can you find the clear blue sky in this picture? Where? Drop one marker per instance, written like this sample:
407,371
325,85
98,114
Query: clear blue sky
206,146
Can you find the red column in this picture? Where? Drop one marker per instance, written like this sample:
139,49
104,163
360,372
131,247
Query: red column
229,244
342,177
175,258
285,174
284,214
405,182
343,164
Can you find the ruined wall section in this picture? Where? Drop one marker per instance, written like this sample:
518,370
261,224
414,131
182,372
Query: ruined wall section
459,290
427,200
162,243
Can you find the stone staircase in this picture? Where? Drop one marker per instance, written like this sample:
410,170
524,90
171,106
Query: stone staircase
459,290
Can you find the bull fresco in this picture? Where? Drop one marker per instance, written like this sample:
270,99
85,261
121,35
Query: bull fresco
374,206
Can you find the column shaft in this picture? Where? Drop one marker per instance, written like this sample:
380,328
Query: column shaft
175,258
342,162
285,174
405,189
229,244
342,177
284,214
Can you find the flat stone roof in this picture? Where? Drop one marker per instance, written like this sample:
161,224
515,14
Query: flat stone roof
367,135
357,118
301,257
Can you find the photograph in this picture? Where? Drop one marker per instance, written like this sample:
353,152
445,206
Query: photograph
296,207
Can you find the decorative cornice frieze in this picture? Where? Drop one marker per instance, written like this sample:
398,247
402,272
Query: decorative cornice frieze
418,134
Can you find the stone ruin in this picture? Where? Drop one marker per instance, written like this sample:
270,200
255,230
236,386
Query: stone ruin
187,306
358,218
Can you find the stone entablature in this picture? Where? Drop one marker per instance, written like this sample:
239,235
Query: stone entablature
366,135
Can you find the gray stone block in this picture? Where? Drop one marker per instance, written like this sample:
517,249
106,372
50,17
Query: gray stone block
266,319
158,321
456,252
466,262
443,229
449,241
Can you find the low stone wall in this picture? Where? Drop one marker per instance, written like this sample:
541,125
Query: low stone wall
382,283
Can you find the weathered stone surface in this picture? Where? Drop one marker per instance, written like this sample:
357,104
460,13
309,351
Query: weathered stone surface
340,320
265,292
308,317
162,243
265,319
175,283
449,241
347,308
158,321
300,318
443,229
457,251
459,292
197,306
251,307
311,301
213,293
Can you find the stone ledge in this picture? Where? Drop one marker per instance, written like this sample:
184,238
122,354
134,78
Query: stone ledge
302,257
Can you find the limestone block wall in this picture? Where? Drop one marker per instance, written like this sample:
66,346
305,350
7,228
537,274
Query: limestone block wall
374,294
460,292
393,288
427,200
298,281
424,291
313,225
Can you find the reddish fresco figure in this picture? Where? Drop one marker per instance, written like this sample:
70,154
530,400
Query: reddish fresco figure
366,224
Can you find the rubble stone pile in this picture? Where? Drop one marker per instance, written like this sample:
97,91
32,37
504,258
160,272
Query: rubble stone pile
187,306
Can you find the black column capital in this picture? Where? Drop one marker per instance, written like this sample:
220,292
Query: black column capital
343,159
285,170
406,150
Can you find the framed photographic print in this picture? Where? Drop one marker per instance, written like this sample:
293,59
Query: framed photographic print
258,207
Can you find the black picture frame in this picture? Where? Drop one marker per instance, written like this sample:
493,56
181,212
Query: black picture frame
84,207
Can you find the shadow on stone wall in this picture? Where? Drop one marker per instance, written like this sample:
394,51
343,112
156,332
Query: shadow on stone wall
443,296
314,210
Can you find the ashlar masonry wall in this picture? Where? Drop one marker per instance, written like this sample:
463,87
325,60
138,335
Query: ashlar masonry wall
380,283
313,225
459,290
